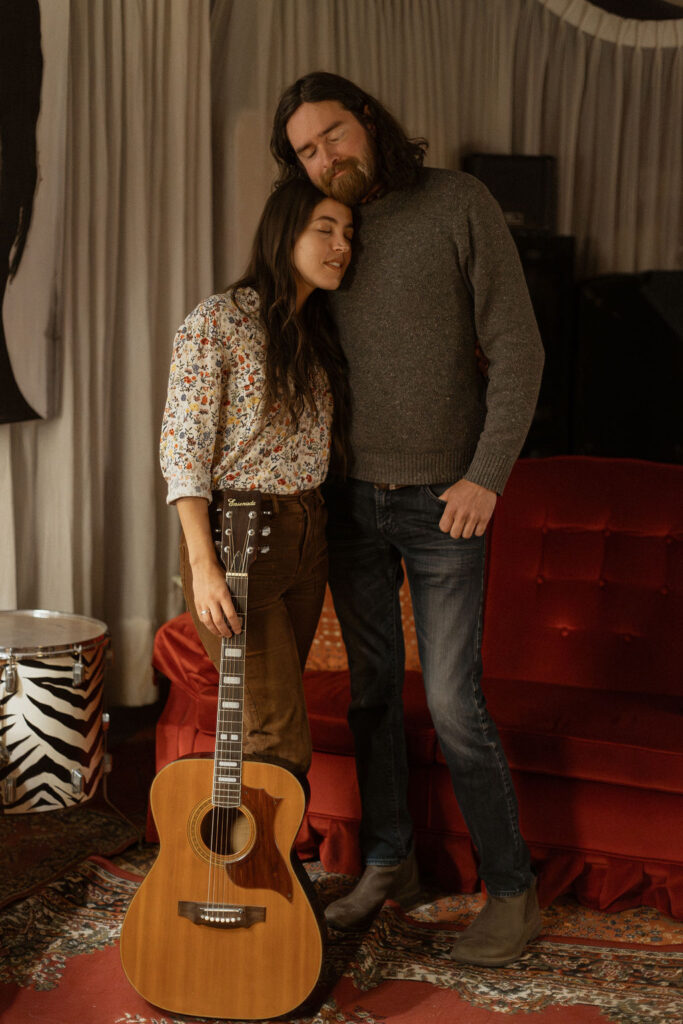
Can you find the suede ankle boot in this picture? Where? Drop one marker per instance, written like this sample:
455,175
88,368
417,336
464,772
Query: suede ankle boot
500,932
400,882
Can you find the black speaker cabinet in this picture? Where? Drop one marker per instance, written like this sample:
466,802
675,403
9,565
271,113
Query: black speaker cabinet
525,187
548,264
629,389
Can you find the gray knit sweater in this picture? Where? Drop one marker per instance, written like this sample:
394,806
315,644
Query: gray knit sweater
435,271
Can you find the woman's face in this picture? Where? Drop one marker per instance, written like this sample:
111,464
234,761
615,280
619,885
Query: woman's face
323,249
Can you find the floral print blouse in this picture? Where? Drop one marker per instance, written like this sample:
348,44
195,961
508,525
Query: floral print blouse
212,437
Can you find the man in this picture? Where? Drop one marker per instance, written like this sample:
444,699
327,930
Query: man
445,363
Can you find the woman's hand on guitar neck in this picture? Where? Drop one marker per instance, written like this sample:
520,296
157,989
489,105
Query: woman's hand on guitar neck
211,595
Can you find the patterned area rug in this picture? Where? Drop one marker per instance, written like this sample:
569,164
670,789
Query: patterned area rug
60,961
37,848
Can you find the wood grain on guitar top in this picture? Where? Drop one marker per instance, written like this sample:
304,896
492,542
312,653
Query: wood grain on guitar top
264,968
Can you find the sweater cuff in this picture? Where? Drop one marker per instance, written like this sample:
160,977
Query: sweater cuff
490,469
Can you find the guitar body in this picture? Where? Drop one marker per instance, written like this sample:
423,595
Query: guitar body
222,925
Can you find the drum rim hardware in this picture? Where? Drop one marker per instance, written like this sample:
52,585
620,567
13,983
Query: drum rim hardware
10,676
38,650
49,653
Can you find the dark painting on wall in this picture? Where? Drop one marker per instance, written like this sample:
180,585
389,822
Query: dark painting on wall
21,72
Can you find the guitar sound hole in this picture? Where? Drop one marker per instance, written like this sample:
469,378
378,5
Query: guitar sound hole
225,830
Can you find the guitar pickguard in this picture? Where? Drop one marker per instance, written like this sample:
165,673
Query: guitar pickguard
262,865
258,863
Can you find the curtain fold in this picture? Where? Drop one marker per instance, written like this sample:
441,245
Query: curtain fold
605,96
92,534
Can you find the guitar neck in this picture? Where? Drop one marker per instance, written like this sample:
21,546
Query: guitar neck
227,775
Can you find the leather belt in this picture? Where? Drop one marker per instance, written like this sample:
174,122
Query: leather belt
389,487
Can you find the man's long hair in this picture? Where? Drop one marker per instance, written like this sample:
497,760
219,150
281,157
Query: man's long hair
296,343
399,158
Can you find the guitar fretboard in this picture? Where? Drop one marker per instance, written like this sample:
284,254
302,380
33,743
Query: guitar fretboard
227,775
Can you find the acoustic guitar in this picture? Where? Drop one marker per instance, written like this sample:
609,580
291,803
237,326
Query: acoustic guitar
224,924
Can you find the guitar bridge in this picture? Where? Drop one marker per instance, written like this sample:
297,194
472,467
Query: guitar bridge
220,915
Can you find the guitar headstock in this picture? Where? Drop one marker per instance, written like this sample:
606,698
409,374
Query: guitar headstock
237,521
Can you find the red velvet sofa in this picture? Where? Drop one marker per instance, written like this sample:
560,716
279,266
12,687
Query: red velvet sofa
583,656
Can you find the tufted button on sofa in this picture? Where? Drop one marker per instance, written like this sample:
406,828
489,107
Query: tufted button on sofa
583,674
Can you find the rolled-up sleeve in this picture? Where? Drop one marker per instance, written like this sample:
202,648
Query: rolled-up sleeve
191,414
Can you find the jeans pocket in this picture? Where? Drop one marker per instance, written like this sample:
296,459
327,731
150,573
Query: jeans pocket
434,492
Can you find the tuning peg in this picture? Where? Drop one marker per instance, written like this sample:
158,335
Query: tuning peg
264,550
265,532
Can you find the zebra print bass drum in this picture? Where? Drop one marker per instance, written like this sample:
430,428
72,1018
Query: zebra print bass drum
51,736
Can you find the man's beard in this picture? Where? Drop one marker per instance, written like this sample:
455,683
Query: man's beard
354,184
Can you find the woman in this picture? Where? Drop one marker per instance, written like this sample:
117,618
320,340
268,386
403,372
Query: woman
258,399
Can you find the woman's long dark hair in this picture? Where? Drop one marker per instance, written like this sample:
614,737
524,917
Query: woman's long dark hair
296,343
399,158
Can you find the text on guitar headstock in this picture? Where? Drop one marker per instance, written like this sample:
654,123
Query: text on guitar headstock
238,522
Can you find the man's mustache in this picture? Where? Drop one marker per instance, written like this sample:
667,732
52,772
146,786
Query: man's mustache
349,164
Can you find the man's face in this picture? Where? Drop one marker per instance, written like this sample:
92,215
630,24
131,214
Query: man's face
334,149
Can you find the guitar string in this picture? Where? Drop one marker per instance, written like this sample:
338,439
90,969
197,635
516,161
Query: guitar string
211,893
226,812
233,812
217,838
221,812
215,812
224,818
214,847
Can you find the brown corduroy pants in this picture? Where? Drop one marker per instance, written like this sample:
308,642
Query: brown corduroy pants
285,596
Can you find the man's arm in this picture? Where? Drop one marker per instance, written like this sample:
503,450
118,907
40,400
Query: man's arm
506,330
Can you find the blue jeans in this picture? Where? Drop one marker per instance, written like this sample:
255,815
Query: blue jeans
370,532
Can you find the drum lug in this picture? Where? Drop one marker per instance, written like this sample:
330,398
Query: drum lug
78,669
9,676
54,664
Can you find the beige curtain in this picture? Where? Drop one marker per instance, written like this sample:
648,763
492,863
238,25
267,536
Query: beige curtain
84,525
603,94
